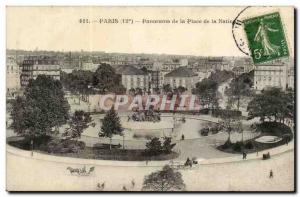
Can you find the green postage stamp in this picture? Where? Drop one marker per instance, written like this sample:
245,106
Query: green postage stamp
266,37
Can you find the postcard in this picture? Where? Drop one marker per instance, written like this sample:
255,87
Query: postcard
150,99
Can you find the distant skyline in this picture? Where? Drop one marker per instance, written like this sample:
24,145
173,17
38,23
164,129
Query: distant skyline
58,29
116,52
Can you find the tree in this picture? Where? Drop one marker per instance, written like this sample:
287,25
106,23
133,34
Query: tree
42,109
144,69
18,115
167,88
165,180
87,82
240,86
167,145
153,147
118,89
271,104
290,100
207,92
138,91
78,82
105,78
111,125
77,124
230,123
220,76
179,90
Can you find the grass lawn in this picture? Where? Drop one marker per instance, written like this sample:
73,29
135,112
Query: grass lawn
116,154
267,129
100,153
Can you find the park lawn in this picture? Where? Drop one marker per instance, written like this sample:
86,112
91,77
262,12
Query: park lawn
266,129
115,154
102,153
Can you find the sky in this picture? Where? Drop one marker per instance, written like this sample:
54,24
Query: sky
58,29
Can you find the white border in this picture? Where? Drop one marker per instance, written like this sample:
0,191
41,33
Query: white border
4,3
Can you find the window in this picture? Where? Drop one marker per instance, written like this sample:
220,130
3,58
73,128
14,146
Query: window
131,81
138,81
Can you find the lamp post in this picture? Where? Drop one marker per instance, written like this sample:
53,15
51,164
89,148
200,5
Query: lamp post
31,142
123,141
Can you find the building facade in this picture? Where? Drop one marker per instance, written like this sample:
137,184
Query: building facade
34,66
13,84
89,66
181,76
275,74
133,78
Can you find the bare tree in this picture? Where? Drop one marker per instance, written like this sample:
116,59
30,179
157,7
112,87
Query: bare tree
230,123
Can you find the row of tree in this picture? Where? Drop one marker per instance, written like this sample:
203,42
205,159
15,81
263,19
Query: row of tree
272,104
168,89
43,108
207,89
103,80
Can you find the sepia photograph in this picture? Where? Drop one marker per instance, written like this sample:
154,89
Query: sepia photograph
150,98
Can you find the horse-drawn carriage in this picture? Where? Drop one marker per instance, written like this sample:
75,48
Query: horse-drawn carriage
81,171
188,164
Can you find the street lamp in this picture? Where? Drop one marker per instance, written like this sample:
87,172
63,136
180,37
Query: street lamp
123,141
123,135
31,142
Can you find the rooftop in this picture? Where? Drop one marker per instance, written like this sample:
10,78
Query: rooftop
181,72
128,70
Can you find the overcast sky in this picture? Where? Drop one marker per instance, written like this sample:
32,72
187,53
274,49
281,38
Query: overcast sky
58,28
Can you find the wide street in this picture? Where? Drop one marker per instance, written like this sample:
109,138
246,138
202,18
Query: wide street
44,172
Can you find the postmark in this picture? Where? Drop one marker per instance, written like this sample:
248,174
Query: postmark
237,31
266,37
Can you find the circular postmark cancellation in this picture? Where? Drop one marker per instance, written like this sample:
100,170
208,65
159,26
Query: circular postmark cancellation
237,32
262,36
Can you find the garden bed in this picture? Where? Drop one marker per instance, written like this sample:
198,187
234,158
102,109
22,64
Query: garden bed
100,153
117,154
276,129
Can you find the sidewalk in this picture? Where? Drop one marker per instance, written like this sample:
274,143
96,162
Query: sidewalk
69,160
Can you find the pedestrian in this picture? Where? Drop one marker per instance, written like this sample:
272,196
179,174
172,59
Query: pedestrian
271,174
245,155
132,183
182,137
188,162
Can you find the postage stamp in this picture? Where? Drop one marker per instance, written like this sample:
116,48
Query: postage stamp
266,37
